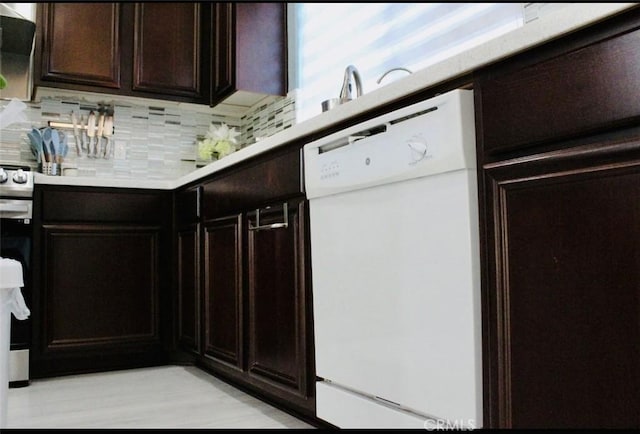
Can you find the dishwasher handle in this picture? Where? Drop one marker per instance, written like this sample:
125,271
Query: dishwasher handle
283,224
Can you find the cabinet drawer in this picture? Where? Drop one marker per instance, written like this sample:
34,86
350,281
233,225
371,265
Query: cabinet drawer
271,179
74,205
591,89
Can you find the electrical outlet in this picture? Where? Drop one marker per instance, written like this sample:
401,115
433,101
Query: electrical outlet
120,151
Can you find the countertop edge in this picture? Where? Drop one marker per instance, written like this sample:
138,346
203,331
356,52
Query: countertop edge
86,181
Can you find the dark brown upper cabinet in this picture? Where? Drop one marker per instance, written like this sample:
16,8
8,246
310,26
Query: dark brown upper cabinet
152,50
250,49
80,44
166,49
191,52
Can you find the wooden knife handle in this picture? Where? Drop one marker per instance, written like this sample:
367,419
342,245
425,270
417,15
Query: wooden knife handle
108,126
100,125
91,124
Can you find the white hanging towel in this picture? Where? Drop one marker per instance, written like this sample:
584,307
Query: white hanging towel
11,280
17,305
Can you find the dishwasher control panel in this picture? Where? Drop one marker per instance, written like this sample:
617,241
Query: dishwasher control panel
427,138
330,169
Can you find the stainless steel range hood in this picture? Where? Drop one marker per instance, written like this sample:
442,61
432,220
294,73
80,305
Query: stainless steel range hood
17,31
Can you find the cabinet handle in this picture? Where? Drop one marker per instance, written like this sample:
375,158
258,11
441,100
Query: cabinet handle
198,200
284,224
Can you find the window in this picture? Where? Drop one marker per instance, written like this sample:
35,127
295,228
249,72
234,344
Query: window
375,37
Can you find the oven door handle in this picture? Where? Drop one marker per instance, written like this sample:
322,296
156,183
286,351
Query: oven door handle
13,208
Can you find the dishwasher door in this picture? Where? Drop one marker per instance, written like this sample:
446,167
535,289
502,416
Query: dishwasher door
397,296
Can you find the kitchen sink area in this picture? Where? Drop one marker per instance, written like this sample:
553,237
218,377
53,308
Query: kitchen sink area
218,224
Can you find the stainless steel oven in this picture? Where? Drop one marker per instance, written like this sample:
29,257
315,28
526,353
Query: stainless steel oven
16,204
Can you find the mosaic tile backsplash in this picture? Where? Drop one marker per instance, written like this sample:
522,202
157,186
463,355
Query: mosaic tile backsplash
268,119
159,142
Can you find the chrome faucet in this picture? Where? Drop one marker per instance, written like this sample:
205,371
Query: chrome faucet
391,70
351,74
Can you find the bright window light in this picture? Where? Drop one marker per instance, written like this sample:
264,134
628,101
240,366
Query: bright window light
375,37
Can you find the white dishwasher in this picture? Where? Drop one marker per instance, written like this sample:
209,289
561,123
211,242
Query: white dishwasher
395,269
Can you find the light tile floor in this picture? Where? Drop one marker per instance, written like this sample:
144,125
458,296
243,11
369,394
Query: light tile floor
158,397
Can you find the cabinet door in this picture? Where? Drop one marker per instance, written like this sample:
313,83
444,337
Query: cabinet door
101,289
81,44
249,51
278,345
223,73
101,279
167,57
189,289
563,299
223,291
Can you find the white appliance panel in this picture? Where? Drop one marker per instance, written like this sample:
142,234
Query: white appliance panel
419,146
394,293
395,268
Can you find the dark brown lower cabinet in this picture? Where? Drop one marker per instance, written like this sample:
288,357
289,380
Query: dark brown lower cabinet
100,285
559,177
247,230
189,288
100,280
256,302
223,313
564,300
278,299
101,296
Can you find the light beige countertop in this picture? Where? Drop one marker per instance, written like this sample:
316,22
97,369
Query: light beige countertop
92,181
563,21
